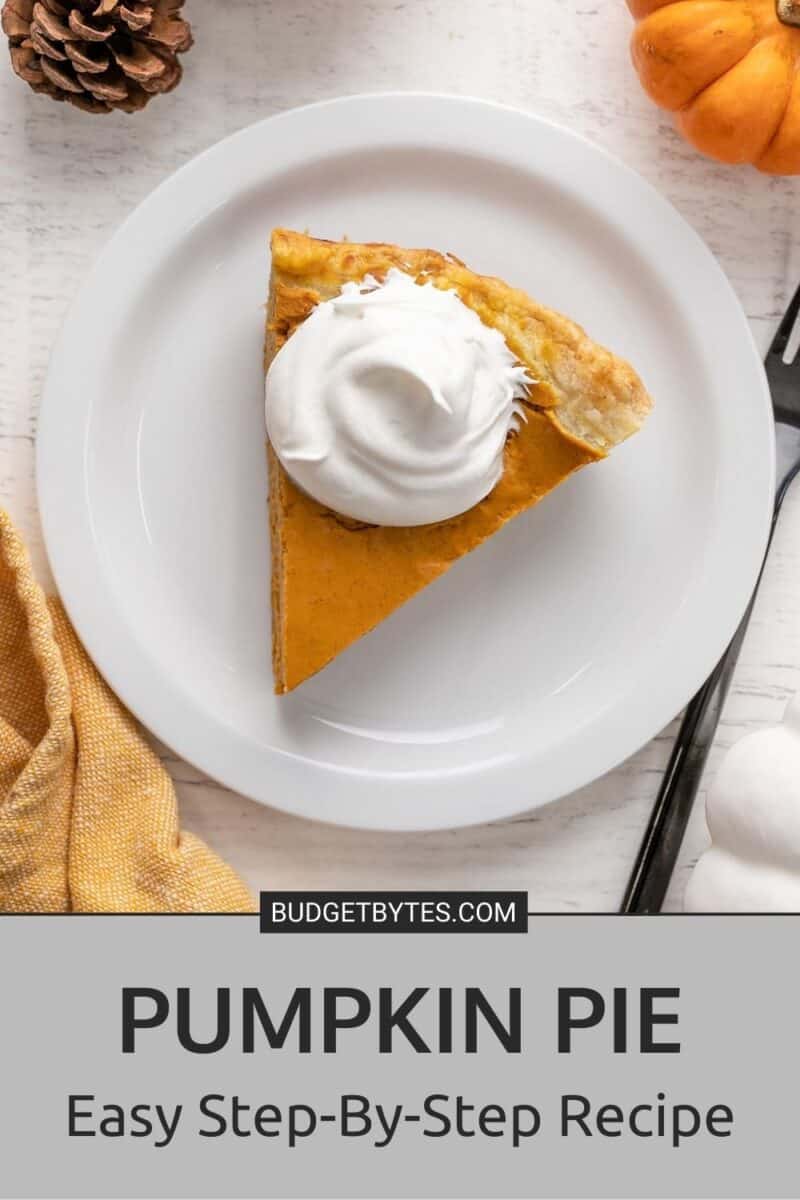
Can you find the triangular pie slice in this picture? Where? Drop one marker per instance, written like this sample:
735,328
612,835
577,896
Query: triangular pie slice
333,580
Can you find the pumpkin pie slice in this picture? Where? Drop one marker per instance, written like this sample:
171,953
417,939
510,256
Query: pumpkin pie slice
335,579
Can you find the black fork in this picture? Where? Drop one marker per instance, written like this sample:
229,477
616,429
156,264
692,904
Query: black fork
658,852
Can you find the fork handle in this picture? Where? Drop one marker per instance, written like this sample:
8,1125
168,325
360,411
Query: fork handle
661,844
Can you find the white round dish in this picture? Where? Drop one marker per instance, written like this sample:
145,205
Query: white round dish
542,659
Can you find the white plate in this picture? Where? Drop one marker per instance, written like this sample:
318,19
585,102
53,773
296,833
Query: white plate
538,662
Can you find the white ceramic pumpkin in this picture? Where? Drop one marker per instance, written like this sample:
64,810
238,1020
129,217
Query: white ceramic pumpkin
753,811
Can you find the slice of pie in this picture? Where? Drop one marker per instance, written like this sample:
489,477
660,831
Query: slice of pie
334,579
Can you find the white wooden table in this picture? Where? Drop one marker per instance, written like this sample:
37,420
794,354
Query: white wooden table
68,179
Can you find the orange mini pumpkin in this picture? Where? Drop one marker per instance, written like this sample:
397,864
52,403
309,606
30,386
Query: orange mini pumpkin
730,71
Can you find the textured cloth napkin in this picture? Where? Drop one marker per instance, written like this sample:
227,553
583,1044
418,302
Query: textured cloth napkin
88,815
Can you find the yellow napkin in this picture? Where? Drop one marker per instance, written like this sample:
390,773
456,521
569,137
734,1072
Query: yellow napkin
88,815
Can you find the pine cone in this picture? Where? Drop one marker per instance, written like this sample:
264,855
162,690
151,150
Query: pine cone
97,54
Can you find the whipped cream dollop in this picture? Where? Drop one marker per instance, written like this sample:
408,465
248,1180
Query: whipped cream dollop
391,403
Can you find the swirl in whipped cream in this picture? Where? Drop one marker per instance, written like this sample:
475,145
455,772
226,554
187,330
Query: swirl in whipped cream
391,403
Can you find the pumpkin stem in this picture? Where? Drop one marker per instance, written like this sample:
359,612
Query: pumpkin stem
788,11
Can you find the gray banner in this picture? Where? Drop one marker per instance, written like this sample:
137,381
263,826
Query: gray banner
451,1107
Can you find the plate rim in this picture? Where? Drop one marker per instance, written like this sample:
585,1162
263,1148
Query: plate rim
236,767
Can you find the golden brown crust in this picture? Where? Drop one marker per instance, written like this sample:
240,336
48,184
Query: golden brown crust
593,396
